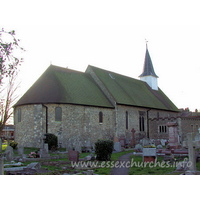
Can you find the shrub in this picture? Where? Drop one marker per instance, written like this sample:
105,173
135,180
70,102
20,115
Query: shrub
52,141
104,149
13,144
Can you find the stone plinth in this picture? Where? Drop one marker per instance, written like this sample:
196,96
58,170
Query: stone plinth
173,135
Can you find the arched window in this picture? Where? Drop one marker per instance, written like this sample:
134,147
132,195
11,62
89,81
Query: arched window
100,117
126,120
19,115
58,114
141,121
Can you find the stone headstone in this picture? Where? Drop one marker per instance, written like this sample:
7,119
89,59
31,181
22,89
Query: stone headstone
159,146
173,135
145,142
46,147
183,166
191,152
157,142
149,154
122,141
78,147
197,137
1,165
162,141
9,153
117,146
43,153
20,150
138,147
0,145
34,165
69,146
73,156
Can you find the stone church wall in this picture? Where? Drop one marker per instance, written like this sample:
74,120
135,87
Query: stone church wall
78,124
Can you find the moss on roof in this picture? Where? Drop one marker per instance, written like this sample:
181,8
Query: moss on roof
133,92
61,85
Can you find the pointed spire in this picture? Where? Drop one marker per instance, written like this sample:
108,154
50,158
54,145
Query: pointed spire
148,69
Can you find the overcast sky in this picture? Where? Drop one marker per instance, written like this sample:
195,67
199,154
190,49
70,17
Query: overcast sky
111,35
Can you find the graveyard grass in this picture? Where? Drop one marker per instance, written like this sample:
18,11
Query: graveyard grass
55,166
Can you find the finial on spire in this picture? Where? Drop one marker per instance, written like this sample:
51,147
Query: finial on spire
146,43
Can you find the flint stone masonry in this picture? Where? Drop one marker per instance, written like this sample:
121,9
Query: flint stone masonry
80,123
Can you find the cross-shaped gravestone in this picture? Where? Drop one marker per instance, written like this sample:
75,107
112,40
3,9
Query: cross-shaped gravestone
191,151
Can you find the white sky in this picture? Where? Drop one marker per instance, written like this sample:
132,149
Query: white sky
111,34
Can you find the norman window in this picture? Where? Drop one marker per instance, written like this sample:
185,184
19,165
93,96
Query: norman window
100,117
58,114
19,115
126,120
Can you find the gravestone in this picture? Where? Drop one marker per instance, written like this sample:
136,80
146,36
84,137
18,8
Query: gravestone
191,153
163,142
9,153
69,146
138,147
145,142
73,156
117,146
1,165
46,147
157,142
149,154
173,135
0,145
20,150
43,153
122,141
78,147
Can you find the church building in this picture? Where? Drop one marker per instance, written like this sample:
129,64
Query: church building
82,107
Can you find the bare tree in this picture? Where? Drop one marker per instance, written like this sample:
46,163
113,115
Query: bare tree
9,63
8,98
